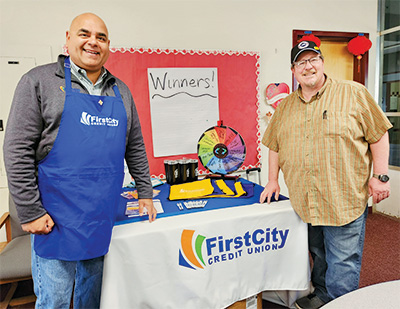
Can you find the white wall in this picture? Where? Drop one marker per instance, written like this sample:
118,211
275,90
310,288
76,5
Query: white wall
246,25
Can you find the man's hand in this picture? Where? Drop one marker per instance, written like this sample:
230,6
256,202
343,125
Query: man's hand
271,187
378,190
151,210
43,225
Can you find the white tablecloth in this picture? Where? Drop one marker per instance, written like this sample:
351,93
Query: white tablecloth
241,252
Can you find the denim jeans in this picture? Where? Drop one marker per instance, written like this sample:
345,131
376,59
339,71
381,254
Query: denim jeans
54,280
336,252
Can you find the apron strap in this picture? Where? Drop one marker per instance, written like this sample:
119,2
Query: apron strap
67,73
116,91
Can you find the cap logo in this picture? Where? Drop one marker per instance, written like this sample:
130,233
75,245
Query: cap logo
303,44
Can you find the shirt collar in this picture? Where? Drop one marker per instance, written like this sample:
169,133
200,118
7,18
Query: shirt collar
327,82
77,71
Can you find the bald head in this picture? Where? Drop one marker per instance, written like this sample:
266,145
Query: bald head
88,43
87,17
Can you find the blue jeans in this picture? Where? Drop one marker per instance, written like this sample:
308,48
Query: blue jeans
54,280
336,252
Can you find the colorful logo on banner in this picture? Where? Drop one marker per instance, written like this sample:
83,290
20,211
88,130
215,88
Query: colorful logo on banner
220,249
190,252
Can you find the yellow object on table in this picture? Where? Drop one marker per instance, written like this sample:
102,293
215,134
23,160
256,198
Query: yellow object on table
191,190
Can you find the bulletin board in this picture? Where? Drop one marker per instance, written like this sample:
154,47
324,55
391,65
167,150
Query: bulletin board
238,87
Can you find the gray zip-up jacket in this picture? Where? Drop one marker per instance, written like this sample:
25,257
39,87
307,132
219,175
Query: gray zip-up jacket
33,125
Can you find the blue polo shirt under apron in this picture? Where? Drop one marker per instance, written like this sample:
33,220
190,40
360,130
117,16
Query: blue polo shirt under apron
80,179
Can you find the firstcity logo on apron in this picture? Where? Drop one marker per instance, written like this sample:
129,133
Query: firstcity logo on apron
80,180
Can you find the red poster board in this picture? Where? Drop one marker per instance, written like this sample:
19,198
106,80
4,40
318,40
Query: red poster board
238,86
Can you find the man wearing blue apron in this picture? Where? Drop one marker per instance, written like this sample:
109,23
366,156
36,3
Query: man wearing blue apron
71,125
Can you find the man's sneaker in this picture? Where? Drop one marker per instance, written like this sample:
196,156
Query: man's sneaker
311,301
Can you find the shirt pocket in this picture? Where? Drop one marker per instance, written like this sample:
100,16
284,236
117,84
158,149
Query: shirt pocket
333,124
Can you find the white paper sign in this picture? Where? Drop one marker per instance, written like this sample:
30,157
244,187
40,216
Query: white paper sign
183,104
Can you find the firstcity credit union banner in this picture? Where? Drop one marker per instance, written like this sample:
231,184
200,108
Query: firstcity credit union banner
208,260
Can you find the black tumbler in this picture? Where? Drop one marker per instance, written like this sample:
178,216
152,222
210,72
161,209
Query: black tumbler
167,171
175,175
193,169
184,170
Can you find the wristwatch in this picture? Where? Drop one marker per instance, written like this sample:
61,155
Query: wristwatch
383,177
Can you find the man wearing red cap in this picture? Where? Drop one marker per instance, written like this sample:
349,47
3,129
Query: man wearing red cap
325,136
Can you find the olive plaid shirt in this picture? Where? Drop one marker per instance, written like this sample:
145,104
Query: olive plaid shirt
323,148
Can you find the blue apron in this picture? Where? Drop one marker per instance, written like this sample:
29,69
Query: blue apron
80,180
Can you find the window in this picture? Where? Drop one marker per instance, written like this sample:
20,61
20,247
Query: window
388,64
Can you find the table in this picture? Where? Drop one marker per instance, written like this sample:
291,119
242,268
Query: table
382,295
206,259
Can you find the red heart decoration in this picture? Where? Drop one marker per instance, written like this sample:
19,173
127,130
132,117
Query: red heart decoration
275,93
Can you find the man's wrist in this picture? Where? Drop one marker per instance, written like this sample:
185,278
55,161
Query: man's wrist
381,177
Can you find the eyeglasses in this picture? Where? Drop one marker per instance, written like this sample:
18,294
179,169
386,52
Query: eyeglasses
302,64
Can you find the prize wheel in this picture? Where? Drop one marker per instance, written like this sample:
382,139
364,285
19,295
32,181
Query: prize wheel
221,150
